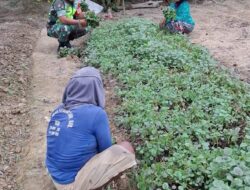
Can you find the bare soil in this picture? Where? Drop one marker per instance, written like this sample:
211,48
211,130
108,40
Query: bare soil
33,79
18,33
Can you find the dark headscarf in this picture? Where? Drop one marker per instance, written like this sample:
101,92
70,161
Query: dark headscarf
85,87
177,4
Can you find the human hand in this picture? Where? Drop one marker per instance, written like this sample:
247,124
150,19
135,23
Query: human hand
162,23
127,145
83,22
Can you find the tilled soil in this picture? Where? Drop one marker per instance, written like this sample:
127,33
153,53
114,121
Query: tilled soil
17,38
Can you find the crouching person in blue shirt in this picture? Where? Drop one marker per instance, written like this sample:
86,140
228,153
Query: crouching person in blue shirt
184,22
80,155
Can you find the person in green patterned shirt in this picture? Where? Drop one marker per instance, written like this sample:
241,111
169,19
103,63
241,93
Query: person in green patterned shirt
66,22
184,22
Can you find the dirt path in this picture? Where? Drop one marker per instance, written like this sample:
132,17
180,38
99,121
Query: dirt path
50,76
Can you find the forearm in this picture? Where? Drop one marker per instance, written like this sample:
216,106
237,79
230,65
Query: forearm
68,21
104,144
103,137
102,132
81,16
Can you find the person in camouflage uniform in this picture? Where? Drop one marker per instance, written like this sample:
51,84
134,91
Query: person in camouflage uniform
66,22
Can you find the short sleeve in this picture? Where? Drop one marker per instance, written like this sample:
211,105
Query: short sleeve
102,131
60,8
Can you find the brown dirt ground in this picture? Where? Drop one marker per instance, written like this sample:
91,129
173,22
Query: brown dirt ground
32,79
18,33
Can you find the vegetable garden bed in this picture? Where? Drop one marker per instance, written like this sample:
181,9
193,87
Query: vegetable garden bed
188,119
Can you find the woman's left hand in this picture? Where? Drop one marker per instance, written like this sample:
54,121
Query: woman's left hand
162,23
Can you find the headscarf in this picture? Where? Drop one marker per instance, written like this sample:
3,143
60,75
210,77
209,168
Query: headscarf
85,87
177,4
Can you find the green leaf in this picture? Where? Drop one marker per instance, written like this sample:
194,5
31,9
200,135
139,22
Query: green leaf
237,182
165,186
219,185
247,180
237,171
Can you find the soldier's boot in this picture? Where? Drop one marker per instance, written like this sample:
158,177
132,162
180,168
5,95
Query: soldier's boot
64,44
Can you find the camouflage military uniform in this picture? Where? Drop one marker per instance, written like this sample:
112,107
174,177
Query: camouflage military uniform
64,33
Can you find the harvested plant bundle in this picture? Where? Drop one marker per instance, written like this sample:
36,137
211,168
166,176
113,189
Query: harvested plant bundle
169,13
92,19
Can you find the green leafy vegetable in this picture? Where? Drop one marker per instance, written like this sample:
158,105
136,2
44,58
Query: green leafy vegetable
84,6
169,13
92,19
64,52
188,119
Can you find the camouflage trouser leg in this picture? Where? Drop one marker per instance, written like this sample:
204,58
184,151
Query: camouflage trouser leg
65,33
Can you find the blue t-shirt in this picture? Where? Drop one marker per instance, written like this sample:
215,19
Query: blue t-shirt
73,137
183,13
